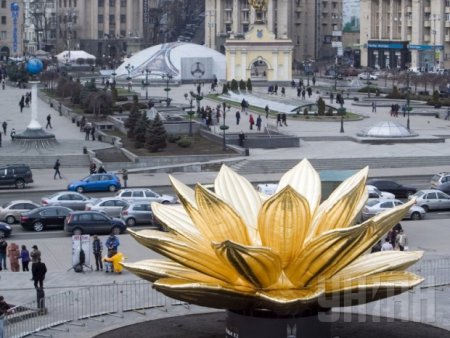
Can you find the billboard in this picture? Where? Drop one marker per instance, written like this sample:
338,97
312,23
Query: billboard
194,68
351,13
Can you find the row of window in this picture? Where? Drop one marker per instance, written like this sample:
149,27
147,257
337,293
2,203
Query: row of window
112,18
73,3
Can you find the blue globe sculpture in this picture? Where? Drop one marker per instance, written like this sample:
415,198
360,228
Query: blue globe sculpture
34,66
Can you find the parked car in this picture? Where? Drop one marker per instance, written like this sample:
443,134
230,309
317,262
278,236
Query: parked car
374,207
374,192
444,187
96,182
5,230
72,200
399,190
431,199
92,222
137,213
267,188
439,179
367,76
10,212
145,195
16,175
44,217
110,206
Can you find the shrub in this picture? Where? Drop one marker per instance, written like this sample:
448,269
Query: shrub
249,85
173,138
305,111
330,112
234,85
184,143
225,88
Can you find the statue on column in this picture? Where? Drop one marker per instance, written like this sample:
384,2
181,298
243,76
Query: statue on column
260,8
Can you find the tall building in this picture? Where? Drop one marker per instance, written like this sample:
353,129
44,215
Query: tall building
405,33
11,29
308,23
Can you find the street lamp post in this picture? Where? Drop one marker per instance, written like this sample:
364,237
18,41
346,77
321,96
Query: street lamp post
342,111
147,72
168,77
190,112
435,17
129,69
224,127
407,100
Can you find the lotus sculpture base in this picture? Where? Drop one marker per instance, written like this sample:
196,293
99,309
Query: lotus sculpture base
267,325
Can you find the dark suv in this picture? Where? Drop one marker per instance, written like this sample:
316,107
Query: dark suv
92,222
15,174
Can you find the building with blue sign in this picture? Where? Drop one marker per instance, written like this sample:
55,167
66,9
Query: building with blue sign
405,33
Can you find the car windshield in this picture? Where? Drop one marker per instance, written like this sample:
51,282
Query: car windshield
436,178
85,178
376,190
419,193
371,203
53,196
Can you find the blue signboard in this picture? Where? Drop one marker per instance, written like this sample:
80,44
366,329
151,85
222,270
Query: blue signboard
425,47
15,15
385,45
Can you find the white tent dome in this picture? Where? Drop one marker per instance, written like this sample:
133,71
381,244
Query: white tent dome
387,129
182,61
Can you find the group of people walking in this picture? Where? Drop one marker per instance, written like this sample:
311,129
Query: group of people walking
396,239
14,254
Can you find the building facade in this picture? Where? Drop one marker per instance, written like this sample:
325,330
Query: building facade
405,33
12,15
308,23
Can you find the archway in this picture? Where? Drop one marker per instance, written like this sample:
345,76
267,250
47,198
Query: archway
259,70
4,53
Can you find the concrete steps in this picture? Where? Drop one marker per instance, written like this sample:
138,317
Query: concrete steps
282,165
46,161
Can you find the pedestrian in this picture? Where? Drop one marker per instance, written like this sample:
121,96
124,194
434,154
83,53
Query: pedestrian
97,251
35,254
238,117
4,308
279,120
303,94
5,126
38,271
14,255
93,133
218,115
299,91
125,177
3,250
314,80
251,120
276,89
309,90
92,168
25,257
13,134
112,243
283,91
87,131
376,247
3,84
241,138
258,123
283,119
27,100
447,116
243,105
402,241
56,167
387,246
331,97
83,123
22,103
267,110
49,122
374,107
0,140
101,170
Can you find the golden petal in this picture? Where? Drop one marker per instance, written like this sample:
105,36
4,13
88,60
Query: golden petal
188,254
379,262
283,223
340,209
183,191
305,180
206,294
331,252
258,265
217,220
176,219
154,269
368,289
239,193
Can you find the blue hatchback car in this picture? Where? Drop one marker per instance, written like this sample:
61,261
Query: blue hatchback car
96,182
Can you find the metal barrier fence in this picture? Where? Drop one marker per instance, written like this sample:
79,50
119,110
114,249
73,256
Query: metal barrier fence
85,303
91,302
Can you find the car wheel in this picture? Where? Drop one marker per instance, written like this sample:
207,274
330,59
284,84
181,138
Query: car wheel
426,208
77,231
165,202
10,219
112,188
80,190
416,216
20,184
131,222
116,231
38,226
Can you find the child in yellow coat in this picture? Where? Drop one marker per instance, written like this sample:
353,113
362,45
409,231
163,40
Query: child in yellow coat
115,261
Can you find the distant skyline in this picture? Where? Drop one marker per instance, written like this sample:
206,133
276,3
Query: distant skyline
350,15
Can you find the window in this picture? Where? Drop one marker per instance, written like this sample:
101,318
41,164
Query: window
3,3
101,3
98,217
123,3
123,18
77,198
139,207
17,206
126,194
85,217
100,18
29,206
109,203
63,212
3,36
138,194
49,212
112,19
65,197
3,20
112,3
150,194
386,205
121,203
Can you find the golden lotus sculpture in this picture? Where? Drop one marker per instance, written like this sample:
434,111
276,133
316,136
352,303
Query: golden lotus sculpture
237,250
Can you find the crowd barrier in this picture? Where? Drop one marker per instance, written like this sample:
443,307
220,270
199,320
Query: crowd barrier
92,302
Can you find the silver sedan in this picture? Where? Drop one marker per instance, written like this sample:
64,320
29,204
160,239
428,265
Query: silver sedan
110,206
430,199
374,207
68,199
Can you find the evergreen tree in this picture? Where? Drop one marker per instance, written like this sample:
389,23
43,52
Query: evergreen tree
320,106
225,88
156,135
140,131
249,85
132,120
234,85
242,85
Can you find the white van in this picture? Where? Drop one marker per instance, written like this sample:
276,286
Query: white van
267,188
